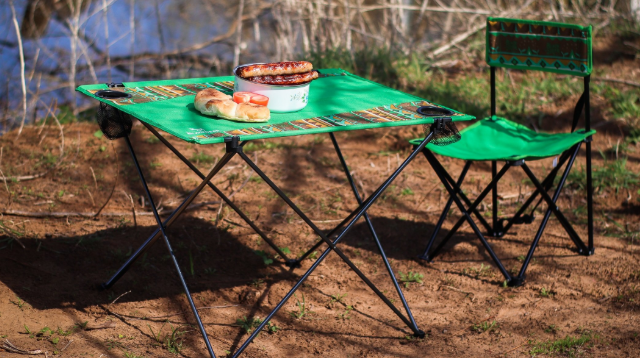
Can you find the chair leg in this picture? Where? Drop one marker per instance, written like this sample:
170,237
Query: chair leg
443,216
545,219
496,230
547,182
591,249
474,227
474,205
434,160
582,249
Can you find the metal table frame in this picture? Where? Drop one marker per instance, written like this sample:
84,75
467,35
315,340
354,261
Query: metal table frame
234,148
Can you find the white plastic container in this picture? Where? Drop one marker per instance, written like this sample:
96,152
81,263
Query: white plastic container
282,99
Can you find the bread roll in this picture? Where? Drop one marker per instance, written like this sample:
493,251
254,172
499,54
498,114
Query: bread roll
212,102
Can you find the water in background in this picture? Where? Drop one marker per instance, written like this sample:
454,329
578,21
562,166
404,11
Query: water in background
162,26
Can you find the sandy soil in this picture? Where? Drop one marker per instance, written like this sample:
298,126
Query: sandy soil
51,281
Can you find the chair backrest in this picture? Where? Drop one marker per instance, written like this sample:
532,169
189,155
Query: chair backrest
539,45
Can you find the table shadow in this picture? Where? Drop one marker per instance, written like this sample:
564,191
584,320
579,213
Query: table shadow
66,271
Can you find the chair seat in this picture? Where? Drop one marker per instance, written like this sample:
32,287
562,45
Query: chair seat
502,139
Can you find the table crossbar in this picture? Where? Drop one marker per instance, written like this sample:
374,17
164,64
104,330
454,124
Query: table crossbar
234,147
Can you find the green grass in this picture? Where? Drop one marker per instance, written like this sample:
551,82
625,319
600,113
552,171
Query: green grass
346,314
19,302
546,293
482,271
410,277
259,145
303,310
265,258
613,174
520,97
337,298
486,326
378,64
248,324
152,140
569,346
172,341
202,158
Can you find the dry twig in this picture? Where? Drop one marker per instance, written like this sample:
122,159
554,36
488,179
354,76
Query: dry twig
10,347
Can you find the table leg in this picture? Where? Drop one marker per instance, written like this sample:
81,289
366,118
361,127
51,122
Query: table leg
167,222
353,217
161,226
356,193
288,261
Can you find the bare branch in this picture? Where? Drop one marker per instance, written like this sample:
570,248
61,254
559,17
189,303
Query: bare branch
22,69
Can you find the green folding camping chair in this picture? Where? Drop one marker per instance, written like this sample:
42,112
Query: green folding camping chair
522,45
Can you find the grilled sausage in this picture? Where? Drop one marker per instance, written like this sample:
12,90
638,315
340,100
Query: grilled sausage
296,79
275,69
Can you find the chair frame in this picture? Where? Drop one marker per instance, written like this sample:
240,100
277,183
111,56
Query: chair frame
497,228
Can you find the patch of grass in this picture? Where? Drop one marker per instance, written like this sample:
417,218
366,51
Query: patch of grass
248,324
303,310
19,302
152,140
482,271
285,250
346,314
265,258
410,277
625,104
613,174
568,346
131,354
406,191
337,298
272,328
379,64
172,341
203,158
262,145
486,326
256,179
552,329
546,293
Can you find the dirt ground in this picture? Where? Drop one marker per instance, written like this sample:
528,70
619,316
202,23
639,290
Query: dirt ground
51,266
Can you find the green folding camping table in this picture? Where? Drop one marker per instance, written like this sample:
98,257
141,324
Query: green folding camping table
337,101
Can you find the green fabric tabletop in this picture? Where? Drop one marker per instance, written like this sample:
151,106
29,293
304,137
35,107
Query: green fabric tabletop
502,139
337,101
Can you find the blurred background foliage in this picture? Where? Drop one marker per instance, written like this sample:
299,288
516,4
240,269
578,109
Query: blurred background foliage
434,49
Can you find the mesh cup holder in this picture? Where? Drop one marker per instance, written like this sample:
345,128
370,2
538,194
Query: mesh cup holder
113,122
444,132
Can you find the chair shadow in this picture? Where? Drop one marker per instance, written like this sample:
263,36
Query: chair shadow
406,240
67,271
